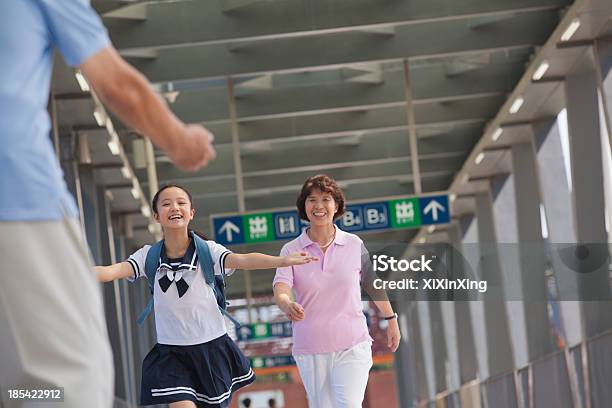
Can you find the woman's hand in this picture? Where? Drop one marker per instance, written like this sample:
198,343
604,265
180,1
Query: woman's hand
293,310
393,335
298,258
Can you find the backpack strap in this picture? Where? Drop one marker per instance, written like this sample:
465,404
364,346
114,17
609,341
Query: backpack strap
232,319
205,259
151,262
216,282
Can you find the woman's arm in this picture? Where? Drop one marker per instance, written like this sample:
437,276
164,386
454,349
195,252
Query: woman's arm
255,260
283,299
385,307
113,272
380,299
393,332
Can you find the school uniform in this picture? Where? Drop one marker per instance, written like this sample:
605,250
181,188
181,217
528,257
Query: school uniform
194,358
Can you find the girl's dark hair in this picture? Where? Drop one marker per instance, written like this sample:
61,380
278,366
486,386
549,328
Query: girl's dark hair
326,184
167,186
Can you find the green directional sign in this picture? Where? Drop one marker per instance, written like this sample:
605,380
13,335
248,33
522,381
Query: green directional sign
367,216
405,213
262,330
271,361
258,228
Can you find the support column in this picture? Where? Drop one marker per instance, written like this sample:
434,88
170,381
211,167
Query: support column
412,134
132,360
603,52
504,208
404,358
461,317
112,298
239,182
531,250
91,211
153,181
603,58
423,320
471,255
439,347
420,368
499,349
556,197
591,257
588,195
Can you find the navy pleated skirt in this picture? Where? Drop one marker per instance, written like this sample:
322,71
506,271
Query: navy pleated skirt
207,374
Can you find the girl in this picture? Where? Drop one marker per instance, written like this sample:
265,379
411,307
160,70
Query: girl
194,363
331,343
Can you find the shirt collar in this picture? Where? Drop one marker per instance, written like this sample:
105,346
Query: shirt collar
189,260
305,241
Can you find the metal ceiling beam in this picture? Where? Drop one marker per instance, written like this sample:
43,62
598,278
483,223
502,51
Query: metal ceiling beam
422,133
279,19
219,199
133,12
471,111
452,144
321,76
541,99
343,183
229,5
428,83
366,190
345,48
424,110
324,154
296,175
412,134
343,123
301,129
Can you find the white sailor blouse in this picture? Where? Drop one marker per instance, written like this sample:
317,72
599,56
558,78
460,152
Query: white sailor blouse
186,311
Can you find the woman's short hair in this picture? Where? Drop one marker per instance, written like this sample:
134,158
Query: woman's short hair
325,184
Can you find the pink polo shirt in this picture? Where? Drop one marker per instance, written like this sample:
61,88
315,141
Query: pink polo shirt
330,292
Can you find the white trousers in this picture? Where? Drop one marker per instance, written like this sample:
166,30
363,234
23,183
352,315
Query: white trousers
338,379
52,327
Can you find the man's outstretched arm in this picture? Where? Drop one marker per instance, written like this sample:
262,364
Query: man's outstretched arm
129,95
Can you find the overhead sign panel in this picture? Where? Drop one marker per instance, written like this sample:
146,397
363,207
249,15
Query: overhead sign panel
396,213
264,331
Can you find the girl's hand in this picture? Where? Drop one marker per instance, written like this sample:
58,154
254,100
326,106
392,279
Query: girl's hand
393,335
298,258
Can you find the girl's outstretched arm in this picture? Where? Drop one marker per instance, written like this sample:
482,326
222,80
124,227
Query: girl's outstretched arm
255,260
113,272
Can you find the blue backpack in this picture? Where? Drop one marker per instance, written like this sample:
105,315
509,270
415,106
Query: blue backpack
216,282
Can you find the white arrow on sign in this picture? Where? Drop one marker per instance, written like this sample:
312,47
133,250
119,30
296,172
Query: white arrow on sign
228,227
434,207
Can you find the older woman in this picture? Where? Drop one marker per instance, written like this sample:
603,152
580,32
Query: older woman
331,343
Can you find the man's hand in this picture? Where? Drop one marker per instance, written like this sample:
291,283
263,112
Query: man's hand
195,151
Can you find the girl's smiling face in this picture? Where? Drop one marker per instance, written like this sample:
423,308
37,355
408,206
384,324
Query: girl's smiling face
174,208
320,208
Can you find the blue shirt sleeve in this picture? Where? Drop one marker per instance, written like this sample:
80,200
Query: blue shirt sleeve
76,29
